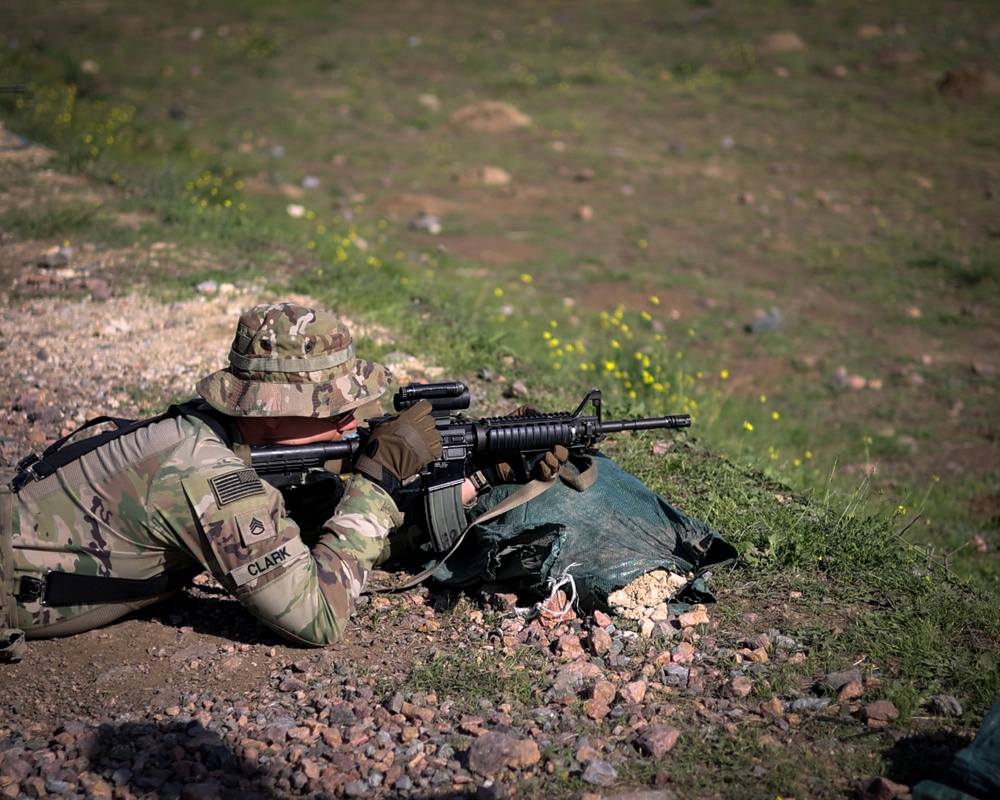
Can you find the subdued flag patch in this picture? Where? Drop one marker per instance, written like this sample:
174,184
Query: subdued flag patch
235,486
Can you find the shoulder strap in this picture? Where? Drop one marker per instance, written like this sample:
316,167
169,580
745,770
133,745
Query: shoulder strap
58,454
199,409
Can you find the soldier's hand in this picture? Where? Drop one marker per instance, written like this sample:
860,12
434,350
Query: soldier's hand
545,468
551,463
400,447
548,466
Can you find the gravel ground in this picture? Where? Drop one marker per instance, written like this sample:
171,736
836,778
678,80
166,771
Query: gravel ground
66,361
426,696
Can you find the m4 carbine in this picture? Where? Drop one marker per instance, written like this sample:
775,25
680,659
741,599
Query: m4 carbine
466,446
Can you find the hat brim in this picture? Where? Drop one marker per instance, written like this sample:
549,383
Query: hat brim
240,397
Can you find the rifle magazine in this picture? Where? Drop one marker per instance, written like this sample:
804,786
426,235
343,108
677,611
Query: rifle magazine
445,516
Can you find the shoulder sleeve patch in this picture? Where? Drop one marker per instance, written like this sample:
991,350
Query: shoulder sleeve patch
235,486
255,526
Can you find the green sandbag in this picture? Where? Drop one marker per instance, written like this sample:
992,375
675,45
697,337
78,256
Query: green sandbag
974,773
605,537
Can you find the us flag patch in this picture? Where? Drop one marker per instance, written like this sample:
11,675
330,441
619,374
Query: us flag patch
235,486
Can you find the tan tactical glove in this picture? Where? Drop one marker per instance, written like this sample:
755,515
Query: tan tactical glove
546,468
501,470
551,463
398,448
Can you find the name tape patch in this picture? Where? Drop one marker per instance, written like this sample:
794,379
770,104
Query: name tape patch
282,556
235,486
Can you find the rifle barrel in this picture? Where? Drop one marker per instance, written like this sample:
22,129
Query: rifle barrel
649,423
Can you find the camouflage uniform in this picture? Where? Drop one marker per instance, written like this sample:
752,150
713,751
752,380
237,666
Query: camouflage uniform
174,494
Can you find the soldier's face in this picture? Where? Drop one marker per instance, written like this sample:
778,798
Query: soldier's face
306,430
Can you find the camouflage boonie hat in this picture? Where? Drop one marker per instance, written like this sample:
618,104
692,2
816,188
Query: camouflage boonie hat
291,361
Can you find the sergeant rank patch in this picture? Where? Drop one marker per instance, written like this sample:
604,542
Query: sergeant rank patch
255,526
235,486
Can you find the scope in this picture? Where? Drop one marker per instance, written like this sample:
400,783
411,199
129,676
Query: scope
444,397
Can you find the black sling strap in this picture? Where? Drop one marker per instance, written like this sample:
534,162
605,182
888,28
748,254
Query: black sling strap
58,454
34,467
70,588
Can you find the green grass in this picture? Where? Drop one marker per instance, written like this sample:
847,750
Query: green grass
897,593
473,678
56,220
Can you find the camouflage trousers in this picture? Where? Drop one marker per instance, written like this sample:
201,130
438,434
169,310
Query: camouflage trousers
12,644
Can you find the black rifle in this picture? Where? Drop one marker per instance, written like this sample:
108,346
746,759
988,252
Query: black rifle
466,446
13,88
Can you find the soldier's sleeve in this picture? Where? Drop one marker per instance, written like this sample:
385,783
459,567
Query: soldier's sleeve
236,525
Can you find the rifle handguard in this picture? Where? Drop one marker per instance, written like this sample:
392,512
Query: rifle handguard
500,471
